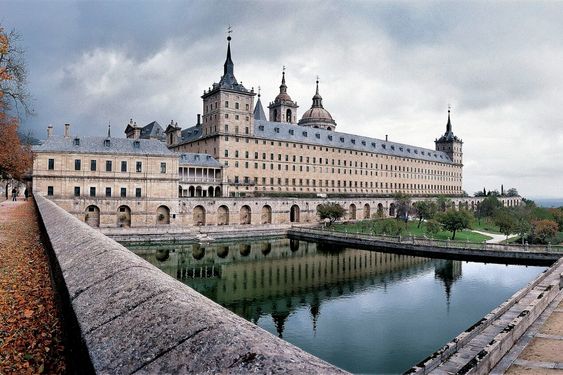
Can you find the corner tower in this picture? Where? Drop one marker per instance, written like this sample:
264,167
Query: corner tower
450,144
227,105
283,109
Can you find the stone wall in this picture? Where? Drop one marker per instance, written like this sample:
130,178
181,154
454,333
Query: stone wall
190,212
134,318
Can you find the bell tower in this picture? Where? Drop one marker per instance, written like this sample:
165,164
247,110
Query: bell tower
228,105
283,109
450,144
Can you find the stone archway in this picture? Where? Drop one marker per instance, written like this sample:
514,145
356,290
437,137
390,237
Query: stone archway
92,216
210,191
245,215
163,215
380,210
367,211
191,191
124,216
294,213
223,215
392,210
352,212
266,217
217,191
199,215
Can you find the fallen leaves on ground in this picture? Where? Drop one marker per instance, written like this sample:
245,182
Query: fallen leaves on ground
30,328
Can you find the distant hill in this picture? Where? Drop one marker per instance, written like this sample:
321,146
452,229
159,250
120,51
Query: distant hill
549,202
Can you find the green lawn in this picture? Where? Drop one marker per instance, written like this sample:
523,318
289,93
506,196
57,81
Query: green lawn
412,230
486,226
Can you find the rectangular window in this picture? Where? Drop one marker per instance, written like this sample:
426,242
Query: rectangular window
162,167
226,153
108,192
49,190
123,166
139,166
51,164
77,163
123,192
108,165
92,191
138,192
92,165
77,191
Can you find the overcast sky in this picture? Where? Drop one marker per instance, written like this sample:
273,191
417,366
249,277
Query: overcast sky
385,68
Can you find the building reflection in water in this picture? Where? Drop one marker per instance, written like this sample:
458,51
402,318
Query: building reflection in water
276,277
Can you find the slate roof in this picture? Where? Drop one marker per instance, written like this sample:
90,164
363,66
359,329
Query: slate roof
203,160
153,130
259,111
288,132
97,145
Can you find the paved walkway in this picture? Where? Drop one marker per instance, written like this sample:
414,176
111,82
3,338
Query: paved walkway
540,349
496,238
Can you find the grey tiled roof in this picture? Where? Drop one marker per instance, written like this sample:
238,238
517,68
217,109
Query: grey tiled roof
321,137
283,132
203,160
191,134
97,145
259,111
153,130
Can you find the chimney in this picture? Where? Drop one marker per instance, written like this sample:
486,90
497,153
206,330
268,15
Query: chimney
198,119
49,131
386,138
67,130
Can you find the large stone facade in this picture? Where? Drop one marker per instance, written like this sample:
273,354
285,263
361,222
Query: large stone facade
279,156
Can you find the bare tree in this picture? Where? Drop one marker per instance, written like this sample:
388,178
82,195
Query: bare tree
13,75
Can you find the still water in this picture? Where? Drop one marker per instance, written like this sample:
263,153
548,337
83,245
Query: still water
363,311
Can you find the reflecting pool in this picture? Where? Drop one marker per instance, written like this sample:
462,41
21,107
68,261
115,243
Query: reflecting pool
364,311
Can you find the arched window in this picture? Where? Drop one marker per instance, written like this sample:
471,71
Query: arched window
288,115
275,115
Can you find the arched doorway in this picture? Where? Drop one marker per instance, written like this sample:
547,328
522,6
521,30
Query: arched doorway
244,249
294,213
352,212
163,215
191,191
266,215
210,191
217,191
380,211
392,210
223,215
366,211
123,216
199,215
245,215
92,216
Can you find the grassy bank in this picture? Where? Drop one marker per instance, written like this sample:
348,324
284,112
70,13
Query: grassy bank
411,229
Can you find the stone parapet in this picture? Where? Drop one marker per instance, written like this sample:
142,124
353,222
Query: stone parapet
133,318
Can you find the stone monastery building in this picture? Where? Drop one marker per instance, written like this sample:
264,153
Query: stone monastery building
283,153
237,154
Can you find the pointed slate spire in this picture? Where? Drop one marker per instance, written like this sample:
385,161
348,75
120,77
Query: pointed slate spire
317,99
229,67
283,86
449,124
259,110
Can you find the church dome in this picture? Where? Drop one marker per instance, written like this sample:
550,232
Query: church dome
317,116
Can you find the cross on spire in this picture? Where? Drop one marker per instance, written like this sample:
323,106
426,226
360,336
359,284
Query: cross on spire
229,31
259,91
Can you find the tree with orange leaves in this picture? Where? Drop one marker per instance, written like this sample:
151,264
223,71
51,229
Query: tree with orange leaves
15,159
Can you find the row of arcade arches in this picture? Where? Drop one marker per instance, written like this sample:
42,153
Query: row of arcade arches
123,216
246,216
